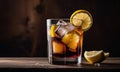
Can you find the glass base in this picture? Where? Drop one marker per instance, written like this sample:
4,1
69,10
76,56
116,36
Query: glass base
65,61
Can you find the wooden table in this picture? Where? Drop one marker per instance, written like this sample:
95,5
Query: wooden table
38,64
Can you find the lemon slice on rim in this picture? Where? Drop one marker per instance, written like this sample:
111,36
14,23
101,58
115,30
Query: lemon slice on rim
95,56
81,18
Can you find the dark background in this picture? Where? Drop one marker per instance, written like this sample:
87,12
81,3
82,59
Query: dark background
23,25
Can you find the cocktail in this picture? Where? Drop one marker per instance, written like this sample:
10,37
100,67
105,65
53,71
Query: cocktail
65,37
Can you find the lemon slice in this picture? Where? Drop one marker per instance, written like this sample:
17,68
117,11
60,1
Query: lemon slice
95,56
81,18
52,30
71,40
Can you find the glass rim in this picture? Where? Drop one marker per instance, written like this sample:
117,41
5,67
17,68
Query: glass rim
58,19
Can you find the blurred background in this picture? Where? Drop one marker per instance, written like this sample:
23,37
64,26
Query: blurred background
23,25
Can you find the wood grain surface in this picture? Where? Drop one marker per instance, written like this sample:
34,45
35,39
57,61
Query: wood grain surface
26,62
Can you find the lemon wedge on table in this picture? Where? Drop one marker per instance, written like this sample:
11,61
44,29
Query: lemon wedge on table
95,56
81,18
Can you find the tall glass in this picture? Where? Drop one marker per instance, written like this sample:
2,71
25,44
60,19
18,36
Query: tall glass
64,42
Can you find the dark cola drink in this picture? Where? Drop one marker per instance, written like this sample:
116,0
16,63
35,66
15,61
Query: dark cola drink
64,43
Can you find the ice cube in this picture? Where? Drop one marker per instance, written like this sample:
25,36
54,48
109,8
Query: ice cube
61,30
61,22
59,47
69,27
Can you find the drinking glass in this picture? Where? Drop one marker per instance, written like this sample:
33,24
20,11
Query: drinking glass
64,42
